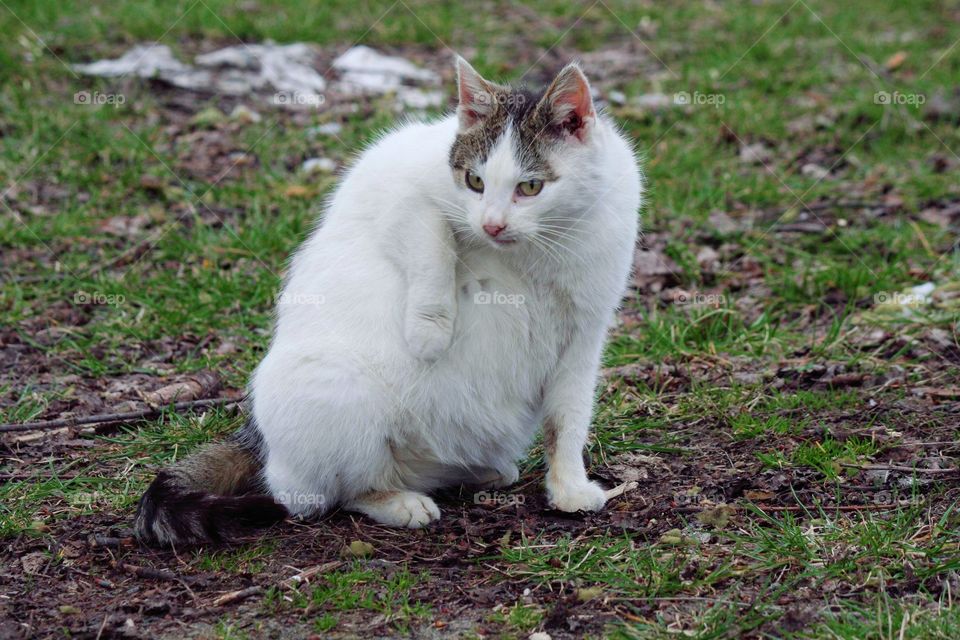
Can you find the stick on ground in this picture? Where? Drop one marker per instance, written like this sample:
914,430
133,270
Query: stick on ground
107,418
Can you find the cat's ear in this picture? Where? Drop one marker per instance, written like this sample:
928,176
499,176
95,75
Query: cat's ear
475,93
569,103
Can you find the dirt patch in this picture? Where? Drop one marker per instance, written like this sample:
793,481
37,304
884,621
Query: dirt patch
87,576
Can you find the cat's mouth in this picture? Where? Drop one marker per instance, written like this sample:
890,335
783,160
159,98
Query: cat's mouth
503,242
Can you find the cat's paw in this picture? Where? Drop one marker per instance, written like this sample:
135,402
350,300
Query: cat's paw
581,496
401,509
428,333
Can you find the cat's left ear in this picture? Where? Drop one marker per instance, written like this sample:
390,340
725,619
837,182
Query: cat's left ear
475,93
569,102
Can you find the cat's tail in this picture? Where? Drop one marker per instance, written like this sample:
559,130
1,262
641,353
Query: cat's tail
211,496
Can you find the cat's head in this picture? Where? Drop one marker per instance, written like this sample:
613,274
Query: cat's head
523,162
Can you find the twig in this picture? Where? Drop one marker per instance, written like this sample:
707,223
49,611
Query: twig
840,507
107,418
97,540
621,489
237,596
800,227
148,572
304,576
895,467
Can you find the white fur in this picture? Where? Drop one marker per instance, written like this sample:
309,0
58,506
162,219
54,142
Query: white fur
365,388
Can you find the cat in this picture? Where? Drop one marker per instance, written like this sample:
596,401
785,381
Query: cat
455,297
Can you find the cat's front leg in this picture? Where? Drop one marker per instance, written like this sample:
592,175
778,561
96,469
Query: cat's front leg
569,407
431,309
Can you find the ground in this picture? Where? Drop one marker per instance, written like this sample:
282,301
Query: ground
782,384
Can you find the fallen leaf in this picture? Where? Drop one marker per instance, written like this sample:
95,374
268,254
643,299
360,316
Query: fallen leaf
894,61
297,191
358,549
202,384
717,517
673,536
33,562
589,593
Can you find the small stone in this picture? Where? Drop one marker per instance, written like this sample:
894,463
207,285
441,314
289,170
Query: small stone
722,222
209,117
242,113
328,129
757,153
812,170
654,101
319,165
617,97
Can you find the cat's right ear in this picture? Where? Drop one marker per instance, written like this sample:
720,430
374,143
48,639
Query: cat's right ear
475,93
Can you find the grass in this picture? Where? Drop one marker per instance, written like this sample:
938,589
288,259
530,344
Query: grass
356,589
214,251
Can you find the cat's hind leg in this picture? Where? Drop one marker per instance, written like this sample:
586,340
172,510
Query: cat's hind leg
499,478
396,508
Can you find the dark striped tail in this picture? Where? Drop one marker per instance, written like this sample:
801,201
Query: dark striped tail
211,496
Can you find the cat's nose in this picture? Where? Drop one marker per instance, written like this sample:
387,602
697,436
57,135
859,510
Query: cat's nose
493,230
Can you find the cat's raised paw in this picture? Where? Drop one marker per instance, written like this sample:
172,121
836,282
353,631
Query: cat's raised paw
584,496
428,334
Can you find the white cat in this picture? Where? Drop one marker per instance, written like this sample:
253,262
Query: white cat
455,297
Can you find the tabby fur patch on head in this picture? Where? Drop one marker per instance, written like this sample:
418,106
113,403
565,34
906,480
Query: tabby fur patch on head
539,120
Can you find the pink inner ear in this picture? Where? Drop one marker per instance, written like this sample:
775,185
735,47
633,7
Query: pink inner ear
573,105
578,99
468,117
473,97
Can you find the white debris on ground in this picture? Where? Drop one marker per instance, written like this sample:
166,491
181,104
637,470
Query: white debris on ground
328,129
244,114
286,76
367,71
908,301
289,72
260,66
655,101
319,165
150,61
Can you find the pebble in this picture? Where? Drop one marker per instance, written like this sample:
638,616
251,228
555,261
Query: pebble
319,165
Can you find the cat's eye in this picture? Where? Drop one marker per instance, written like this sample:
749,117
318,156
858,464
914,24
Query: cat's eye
474,181
530,187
